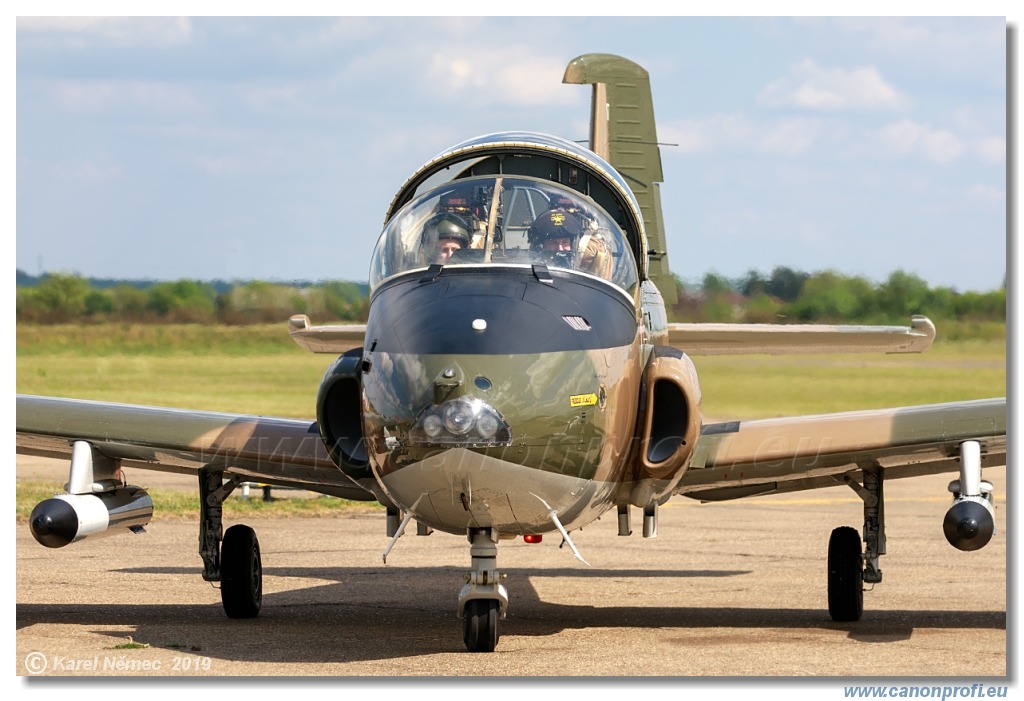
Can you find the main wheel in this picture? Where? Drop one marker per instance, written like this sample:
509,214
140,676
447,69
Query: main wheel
241,573
845,575
480,625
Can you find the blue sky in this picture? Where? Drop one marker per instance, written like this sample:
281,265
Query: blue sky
270,148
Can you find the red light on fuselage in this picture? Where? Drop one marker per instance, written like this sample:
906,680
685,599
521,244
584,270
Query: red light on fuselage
533,538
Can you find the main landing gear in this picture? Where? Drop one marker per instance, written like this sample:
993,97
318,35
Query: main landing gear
234,559
483,600
968,525
849,567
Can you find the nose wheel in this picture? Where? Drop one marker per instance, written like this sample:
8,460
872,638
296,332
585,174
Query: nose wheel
480,624
483,600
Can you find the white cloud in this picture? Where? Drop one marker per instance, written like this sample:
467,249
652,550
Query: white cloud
707,134
977,119
345,30
91,170
114,95
452,61
813,87
894,33
119,31
224,165
956,39
790,137
987,194
991,149
406,149
486,77
267,95
909,138
786,137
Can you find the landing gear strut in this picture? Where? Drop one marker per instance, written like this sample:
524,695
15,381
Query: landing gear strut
483,600
233,559
850,567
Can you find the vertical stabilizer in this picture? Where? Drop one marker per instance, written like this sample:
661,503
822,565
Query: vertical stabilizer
622,132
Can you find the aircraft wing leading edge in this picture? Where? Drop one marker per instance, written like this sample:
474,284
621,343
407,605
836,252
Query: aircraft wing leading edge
750,458
277,451
335,338
699,339
739,339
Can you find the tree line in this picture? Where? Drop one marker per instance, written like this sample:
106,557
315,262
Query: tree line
790,296
62,298
782,296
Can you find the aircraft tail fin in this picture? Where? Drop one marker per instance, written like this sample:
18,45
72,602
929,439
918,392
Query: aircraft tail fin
622,131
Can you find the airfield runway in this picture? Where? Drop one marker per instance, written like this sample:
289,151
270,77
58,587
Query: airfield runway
725,590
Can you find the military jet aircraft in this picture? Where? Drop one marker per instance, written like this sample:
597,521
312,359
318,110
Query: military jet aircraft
517,376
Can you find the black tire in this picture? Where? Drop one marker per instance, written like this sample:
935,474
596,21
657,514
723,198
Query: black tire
480,625
241,573
845,575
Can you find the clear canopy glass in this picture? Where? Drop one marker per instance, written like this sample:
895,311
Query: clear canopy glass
503,221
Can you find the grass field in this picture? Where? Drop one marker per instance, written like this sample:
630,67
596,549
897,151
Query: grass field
765,386
178,504
259,370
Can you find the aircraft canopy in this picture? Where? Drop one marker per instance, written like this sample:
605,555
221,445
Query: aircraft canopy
502,221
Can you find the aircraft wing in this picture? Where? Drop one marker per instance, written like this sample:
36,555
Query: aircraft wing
334,339
699,339
770,456
276,451
734,339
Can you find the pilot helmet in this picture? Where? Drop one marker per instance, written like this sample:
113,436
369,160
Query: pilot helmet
447,226
563,201
555,224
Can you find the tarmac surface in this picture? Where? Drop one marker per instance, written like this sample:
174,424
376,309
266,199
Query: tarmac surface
730,590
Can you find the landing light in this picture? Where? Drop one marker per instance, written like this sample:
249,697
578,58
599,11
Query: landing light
432,425
465,421
458,417
487,425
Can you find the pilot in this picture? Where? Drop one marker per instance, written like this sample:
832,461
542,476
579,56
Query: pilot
570,242
445,233
461,203
472,204
555,230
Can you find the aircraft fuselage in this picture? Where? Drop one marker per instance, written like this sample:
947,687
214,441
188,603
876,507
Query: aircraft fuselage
565,389
506,378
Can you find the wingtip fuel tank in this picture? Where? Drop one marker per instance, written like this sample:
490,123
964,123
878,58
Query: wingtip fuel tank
69,518
969,524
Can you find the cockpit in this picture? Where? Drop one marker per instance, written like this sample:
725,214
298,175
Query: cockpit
504,221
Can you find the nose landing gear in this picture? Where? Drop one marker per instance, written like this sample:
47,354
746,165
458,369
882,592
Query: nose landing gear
483,599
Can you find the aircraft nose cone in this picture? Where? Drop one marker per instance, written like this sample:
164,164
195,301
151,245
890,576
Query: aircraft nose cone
54,523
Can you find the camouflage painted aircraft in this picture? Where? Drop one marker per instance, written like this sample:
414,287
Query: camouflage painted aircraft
517,377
